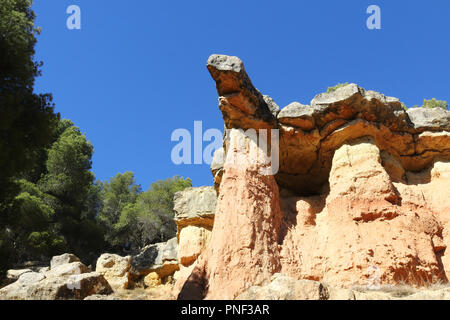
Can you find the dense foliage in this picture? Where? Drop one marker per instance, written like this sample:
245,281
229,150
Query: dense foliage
50,202
433,103
134,218
27,119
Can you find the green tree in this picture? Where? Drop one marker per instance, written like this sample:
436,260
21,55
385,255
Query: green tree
75,197
119,193
433,103
155,210
29,227
27,119
139,218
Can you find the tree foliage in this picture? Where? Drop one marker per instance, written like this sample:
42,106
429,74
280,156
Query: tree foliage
135,218
433,103
27,119
118,193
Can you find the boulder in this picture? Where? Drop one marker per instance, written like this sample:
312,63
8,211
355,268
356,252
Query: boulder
63,259
283,287
193,241
152,280
429,119
241,104
116,270
52,286
14,275
160,258
195,207
68,269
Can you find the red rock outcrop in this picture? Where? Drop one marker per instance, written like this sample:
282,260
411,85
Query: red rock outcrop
361,192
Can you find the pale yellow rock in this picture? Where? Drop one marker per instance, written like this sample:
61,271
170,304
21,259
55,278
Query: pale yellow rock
193,241
152,280
115,269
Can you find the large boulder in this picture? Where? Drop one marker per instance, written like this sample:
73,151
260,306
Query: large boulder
283,287
160,258
429,119
195,207
70,281
14,274
116,270
193,241
63,259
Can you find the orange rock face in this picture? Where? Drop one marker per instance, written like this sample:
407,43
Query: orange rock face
243,249
365,225
361,198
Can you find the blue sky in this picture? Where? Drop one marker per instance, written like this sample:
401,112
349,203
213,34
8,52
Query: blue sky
136,70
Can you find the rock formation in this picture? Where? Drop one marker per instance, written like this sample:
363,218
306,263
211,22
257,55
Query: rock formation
194,215
116,270
67,279
361,192
156,261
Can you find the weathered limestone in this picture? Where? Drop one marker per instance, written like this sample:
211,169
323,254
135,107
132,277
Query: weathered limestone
66,280
116,270
160,258
194,215
361,195
195,207
63,259
193,241
286,288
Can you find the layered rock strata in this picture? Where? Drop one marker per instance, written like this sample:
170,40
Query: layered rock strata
361,193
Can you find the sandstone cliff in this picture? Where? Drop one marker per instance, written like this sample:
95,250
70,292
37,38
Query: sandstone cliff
361,192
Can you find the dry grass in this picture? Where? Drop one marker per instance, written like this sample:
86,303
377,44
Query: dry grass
163,292
403,289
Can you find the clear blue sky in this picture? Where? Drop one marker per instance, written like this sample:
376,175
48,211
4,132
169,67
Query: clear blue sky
137,69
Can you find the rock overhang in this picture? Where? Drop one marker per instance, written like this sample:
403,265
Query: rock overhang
310,134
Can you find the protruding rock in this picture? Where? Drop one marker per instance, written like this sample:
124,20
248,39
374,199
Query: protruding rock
273,107
435,119
241,104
